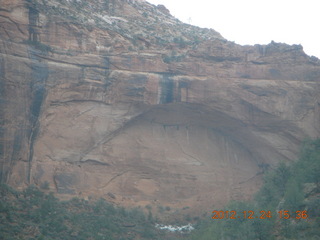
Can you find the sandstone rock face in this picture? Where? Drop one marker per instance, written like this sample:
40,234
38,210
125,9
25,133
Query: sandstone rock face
118,99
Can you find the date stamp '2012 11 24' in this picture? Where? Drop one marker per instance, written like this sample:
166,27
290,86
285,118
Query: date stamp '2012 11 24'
283,214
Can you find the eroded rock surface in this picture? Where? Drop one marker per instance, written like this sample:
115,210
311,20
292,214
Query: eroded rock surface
119,99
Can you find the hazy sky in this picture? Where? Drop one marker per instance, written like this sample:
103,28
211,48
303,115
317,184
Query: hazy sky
254,21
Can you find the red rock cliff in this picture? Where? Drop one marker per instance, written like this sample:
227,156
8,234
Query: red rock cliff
119,99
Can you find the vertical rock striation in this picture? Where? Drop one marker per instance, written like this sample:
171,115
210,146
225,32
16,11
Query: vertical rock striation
119,98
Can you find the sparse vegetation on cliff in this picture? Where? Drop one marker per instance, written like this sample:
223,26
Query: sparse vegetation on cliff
173,58
145,18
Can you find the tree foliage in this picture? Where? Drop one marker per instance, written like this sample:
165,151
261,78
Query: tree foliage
292,188
33,214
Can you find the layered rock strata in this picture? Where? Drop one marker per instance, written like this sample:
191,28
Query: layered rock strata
120,100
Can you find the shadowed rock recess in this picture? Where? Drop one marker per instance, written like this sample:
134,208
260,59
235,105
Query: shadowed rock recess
118,99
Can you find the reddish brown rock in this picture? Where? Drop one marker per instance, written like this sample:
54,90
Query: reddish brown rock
121,101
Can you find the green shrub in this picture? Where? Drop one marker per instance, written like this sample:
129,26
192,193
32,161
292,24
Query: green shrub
283,189
32,214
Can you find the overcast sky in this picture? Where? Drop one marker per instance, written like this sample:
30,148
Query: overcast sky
254,21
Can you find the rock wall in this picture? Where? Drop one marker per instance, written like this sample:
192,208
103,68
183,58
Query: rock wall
120,100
